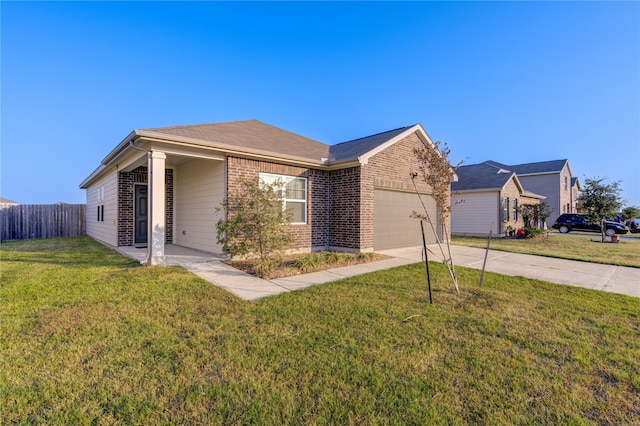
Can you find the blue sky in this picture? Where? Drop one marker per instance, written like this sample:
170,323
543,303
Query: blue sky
513,82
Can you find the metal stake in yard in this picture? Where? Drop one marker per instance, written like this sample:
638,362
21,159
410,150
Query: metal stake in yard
447,261
426,261
484,263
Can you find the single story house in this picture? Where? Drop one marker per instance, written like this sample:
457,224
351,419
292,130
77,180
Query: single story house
487,197
553,179
5,203
163,186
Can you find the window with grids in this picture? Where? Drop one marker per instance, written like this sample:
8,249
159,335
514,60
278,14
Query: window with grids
293,193
505,209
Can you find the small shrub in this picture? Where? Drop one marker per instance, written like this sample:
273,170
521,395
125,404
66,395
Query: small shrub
265,267
534,233
366,257
331,257
308,262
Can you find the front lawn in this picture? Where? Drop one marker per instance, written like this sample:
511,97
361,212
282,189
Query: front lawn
573,247
89,337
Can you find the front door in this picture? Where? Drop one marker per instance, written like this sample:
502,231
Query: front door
140,229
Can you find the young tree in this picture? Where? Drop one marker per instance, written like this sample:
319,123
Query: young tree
534,215
600,200
543,214
437,172
528,213
631,212
255,223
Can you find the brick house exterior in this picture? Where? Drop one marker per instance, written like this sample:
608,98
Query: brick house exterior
359,194
552,179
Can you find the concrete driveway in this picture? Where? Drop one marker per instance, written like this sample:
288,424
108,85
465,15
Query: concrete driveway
614,279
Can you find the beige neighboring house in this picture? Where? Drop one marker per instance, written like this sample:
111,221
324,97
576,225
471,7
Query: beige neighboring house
5,202
553,179
486,198
162,186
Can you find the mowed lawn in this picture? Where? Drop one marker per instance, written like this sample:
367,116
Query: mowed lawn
574,246
89,337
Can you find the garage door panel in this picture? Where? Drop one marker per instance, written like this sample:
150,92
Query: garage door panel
393,226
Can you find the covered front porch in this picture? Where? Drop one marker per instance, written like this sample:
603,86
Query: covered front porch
181,191
173,254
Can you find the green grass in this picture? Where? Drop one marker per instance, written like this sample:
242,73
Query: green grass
624,253
89,337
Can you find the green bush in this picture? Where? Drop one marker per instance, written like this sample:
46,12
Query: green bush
534,232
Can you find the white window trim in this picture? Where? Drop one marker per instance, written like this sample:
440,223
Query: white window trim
285,179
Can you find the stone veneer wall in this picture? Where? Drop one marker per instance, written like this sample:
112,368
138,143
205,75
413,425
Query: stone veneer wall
126,183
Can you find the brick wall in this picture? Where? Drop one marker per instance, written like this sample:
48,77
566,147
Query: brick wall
126,183
344,208
512,192
305,236
392,167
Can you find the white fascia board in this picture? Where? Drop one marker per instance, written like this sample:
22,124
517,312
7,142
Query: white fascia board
533,195
418,129
566,164
364,159
94,175
117,151
539,174
470,191
518,184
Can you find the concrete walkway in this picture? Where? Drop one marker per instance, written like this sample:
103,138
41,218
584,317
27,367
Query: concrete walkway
615,279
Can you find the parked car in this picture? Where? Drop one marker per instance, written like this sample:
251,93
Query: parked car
568,222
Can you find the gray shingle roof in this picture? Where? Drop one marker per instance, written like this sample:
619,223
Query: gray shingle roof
553,166
480,176
357,147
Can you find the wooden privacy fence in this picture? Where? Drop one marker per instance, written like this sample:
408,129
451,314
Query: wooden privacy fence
28,221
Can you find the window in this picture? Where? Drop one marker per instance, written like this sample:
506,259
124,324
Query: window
515,209
100,204
505,209
566,183
293,193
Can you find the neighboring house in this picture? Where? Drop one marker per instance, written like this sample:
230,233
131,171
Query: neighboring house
576,192
553,179
163,186
487,197
5,202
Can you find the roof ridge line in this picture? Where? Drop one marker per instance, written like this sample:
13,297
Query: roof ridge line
370,136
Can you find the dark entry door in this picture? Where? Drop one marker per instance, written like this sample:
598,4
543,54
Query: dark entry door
140,216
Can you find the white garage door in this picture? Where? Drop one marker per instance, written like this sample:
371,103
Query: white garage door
393,227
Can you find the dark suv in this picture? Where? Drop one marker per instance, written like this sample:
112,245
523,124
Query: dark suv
579,222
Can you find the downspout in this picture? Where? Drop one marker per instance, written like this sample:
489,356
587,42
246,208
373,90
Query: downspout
133,145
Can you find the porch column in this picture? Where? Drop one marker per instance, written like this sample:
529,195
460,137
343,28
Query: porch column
156,219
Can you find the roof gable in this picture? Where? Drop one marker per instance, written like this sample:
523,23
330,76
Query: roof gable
481,177
358,147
